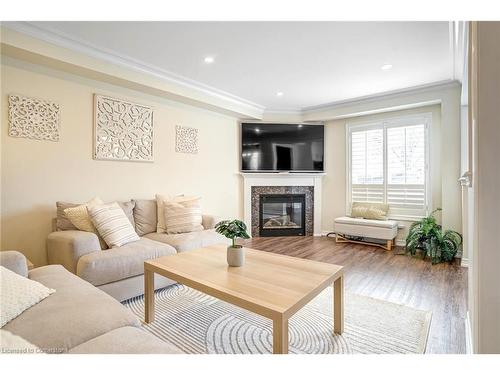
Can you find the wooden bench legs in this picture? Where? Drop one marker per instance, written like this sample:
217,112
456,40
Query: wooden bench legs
388,245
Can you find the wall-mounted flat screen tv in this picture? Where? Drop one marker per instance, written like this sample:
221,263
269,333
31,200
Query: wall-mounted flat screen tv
282,147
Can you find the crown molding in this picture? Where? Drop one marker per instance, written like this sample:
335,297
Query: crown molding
226,102
59,39
434,86
284,111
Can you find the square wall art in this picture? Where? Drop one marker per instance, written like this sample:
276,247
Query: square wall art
33,118
186,140
122,130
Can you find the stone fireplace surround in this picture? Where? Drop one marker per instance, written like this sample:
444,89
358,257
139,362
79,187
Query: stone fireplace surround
282,183
256,191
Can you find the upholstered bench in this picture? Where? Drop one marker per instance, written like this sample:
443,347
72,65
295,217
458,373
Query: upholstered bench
346,227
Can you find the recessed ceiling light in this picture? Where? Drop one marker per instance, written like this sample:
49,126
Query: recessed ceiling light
279,93
386,67
209,59
257,130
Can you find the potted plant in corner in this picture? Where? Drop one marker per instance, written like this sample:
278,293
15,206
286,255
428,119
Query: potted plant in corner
233,229
427,236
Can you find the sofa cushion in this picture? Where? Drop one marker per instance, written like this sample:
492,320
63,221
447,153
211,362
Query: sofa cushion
112,224
145,216
126,340
183,216
76,313
13,344
14,261
188,241
131,287
62,221
102,267
19,294
128,208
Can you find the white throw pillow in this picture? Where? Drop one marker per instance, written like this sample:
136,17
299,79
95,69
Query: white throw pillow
13,344
183,216
18,294
112,224
160,209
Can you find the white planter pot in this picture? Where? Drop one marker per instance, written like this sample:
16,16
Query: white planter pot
235,256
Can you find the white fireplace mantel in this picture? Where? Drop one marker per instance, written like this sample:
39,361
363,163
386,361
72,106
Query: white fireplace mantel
282,179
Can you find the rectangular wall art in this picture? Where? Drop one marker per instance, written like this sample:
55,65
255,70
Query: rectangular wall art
33,118
186,140
122,130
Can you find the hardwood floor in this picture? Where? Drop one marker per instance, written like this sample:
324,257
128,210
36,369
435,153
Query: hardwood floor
377,273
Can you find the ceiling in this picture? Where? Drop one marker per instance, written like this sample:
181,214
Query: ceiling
311,63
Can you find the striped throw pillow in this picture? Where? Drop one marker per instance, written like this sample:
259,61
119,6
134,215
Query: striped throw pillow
112,224
183,216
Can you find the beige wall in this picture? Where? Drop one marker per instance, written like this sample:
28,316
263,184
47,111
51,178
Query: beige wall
35,174
334,183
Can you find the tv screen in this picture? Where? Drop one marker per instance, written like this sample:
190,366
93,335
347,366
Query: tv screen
282,147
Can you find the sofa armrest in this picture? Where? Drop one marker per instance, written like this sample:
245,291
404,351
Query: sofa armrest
66,247
209,221
14,261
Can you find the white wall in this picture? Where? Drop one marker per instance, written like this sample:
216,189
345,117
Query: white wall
334,183
35,174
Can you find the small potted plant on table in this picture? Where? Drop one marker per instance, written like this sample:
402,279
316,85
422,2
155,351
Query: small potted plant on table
233,229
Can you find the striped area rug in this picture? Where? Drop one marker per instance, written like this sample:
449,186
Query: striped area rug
197,323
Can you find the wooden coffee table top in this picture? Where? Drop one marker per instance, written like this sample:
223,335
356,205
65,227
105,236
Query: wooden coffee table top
268,284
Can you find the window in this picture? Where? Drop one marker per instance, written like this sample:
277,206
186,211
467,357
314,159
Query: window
388,163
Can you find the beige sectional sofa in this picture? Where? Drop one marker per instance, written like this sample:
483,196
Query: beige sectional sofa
119,271
77,317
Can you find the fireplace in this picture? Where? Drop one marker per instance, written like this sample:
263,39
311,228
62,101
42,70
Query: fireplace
282,215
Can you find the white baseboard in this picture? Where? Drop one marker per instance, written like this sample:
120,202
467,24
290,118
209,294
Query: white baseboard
469,349
464,262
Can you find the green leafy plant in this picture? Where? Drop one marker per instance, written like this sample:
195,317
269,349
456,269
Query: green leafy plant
232,229
427,236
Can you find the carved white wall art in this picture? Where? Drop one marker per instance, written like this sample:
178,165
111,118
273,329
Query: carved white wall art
186,140
33,118
122,130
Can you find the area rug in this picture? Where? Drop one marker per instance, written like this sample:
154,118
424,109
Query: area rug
198,323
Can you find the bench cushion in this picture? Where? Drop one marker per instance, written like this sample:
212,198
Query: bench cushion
380,229
367,222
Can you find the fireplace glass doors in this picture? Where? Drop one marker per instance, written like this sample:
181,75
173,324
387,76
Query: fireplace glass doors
282,215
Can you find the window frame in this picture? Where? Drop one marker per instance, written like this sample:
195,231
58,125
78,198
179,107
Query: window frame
384,124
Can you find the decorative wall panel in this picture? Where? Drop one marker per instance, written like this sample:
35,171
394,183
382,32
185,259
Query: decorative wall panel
186,140
122,130
33,118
